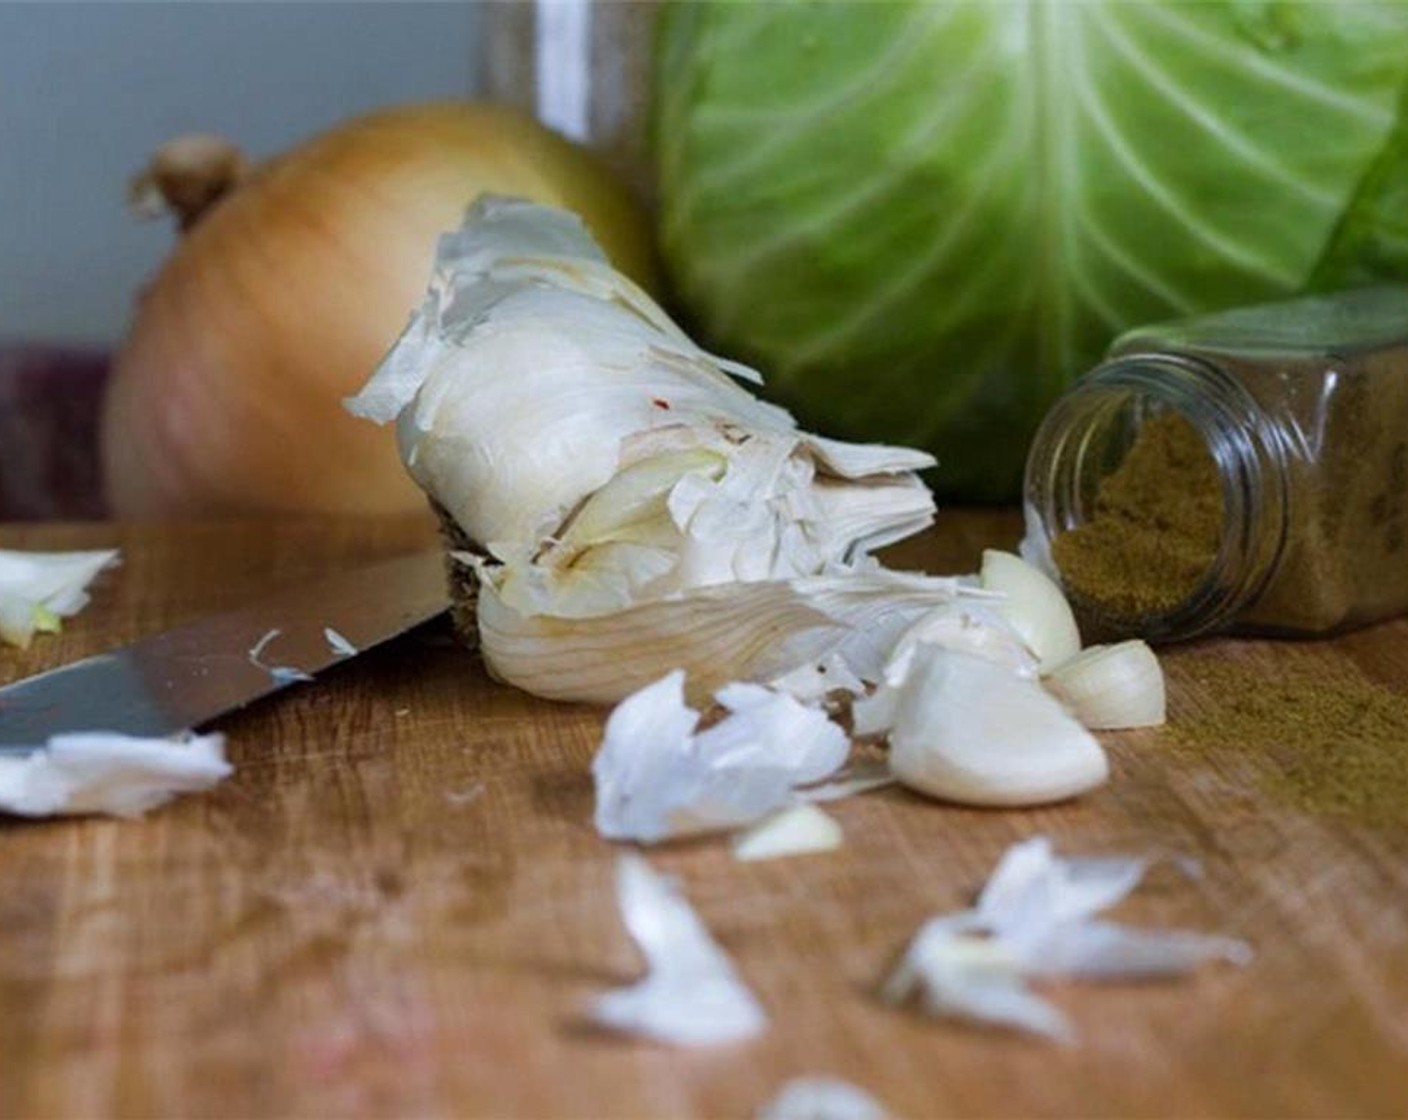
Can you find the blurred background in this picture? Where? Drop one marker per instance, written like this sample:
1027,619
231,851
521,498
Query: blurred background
862,200
89,90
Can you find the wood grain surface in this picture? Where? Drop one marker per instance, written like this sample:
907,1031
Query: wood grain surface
397,906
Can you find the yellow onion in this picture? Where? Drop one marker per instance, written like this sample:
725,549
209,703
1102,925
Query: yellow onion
290,282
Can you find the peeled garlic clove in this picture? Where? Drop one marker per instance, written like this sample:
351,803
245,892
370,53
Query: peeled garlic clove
1034,605
1111,687
794,831
979,631
637,494
969,731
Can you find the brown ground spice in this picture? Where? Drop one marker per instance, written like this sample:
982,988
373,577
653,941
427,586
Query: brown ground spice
1325,741
1156,526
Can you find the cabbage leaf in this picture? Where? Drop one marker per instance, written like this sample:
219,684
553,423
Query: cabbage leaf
922,218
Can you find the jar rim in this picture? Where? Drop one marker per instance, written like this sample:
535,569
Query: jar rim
1251,460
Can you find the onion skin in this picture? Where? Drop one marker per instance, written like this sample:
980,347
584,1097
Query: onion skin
286,292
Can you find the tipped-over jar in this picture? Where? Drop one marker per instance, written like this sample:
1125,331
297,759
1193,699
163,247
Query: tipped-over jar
1246,470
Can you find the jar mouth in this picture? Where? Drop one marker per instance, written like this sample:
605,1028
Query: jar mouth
1093,431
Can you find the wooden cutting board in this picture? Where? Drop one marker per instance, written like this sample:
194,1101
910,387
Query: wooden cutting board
398,906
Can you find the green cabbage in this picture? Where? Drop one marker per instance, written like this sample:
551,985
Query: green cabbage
921,219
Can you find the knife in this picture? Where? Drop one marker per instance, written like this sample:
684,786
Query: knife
185,677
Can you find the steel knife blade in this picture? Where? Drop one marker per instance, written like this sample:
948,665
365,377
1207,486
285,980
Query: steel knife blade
187,676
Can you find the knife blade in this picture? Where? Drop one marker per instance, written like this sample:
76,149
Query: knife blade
187,676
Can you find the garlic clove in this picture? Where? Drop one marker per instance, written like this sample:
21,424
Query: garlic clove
975,630
980,631
635,495
1111,687
1034,605
796,830
969,731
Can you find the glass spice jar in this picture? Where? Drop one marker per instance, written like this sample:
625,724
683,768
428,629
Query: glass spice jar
1246,471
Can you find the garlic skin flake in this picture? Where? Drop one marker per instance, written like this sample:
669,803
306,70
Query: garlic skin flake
957,970
600,463
338,643
658,778
822,1098
1111,688
1033,603
691,995
282,674
1036,917
105,772
39,589
969,731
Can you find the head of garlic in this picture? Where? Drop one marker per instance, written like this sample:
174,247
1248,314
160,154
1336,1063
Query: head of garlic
626,498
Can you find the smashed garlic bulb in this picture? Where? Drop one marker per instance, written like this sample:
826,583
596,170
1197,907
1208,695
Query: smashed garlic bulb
599,463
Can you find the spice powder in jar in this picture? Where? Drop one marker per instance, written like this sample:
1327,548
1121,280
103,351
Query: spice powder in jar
1246,470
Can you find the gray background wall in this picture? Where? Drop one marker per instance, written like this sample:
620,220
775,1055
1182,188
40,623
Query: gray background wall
87,90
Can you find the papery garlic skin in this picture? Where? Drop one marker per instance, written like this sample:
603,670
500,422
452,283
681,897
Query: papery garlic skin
969,731
1038,915
39,589
1112,688
1035,606
89,772
657,777
755,631
691,995
957,971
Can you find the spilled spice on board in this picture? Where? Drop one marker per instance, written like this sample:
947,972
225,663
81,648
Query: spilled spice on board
1156,526
1326,740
